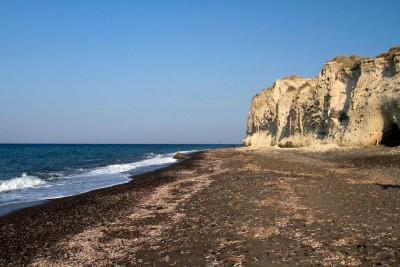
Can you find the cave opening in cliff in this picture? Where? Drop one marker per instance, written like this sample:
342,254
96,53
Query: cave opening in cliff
391,136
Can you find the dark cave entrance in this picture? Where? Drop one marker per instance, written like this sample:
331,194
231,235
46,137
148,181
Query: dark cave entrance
391,136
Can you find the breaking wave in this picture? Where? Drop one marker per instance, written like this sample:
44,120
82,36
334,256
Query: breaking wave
25,181
158,159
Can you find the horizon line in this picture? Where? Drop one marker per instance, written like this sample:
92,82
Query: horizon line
120,143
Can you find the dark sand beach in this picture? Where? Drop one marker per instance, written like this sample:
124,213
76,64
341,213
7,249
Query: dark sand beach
232,207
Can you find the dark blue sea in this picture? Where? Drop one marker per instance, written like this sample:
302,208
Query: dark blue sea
31,173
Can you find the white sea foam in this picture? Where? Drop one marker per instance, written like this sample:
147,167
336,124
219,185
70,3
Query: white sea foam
25,181
118,168
191,151
152,155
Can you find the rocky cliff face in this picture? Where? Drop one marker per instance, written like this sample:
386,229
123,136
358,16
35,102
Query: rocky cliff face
354,101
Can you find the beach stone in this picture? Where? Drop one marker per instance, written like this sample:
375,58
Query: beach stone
179,156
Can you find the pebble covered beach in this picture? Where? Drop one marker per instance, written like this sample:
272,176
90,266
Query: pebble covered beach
229,207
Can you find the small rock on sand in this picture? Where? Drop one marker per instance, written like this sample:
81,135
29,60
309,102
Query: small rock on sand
179,156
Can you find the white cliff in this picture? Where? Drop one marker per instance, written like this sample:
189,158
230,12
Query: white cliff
354,101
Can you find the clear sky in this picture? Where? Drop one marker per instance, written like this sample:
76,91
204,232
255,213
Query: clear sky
166,71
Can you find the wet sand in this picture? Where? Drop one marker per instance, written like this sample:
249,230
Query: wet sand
232,207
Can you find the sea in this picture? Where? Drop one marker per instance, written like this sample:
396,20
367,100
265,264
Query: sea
31,174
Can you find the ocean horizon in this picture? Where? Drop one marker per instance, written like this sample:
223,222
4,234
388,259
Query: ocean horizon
33,173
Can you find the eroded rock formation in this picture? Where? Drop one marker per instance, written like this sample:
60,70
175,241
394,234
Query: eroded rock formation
354,101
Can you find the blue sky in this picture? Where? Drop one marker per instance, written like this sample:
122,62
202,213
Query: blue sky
166,71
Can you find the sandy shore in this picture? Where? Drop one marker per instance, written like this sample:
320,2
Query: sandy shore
233,207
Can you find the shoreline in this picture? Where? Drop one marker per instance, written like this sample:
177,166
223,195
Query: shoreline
70,215
72,173
242,207
11,208
31,207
